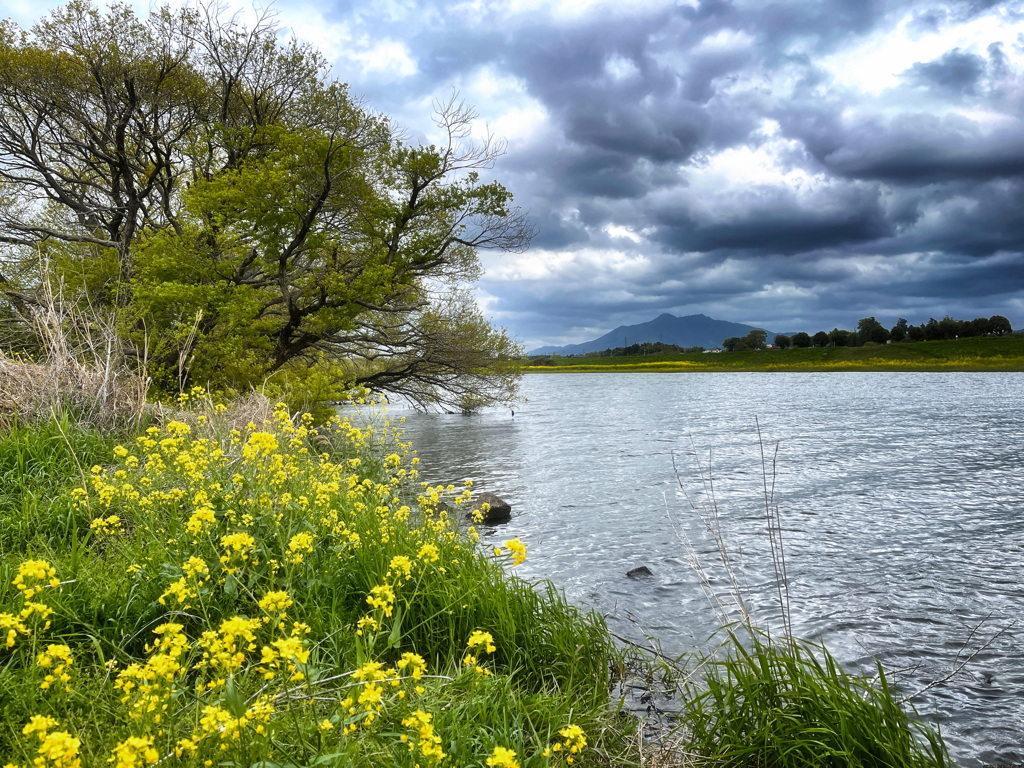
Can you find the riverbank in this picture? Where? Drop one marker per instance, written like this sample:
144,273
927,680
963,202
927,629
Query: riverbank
975,354
234,586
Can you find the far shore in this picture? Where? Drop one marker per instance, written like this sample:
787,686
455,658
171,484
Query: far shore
996,354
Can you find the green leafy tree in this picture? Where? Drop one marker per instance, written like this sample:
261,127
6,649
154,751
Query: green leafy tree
735,344
782,341
932,330
900,331
999,325
756,339
242,215
820,339
949,328
870,330
801,340
838,337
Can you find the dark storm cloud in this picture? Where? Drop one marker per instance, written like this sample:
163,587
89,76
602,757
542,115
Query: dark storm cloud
921,149
638,104
969,219
956,71
776,223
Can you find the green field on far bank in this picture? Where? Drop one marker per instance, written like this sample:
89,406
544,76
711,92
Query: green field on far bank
1005,353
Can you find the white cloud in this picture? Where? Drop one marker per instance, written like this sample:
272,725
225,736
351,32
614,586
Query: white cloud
599,266
879,61
616,230
387,57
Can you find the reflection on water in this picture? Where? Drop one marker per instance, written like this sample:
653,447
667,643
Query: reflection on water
901,496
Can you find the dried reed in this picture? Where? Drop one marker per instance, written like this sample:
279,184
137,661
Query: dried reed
81,368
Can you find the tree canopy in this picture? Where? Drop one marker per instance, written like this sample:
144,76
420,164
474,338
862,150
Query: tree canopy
755,339
241,214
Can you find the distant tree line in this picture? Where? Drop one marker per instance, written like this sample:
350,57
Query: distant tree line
870,331
644,348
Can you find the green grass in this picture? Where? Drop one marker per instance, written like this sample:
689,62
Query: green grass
783,703
1004,353
274,596
37,464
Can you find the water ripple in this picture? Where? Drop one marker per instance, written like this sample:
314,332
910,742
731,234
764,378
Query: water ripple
901,495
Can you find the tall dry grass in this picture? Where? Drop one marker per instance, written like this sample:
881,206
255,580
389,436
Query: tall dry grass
80,368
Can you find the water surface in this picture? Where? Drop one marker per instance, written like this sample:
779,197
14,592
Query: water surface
901,496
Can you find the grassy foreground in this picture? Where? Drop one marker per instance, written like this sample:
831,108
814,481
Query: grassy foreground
236,588
1004,353
272,595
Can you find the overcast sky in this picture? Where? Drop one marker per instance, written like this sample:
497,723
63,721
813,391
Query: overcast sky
795,165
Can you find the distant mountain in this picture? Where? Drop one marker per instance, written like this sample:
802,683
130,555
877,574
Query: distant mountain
689,331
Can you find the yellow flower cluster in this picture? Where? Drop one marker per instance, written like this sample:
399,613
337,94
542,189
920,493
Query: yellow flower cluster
427,743
382,597
286,654
573,741
369,701
196,575
56,749
134,752
502,758
253,521
57,660
106,526
299,546
276,604
225,648
481,642
149,687
220,723
33,576
516,548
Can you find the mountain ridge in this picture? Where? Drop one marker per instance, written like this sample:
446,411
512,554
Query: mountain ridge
687,331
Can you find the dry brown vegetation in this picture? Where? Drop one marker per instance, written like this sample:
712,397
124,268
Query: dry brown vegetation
79,367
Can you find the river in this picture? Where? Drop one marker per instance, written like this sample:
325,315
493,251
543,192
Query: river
901,497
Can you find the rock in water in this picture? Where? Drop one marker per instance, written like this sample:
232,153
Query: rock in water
492,508
643,572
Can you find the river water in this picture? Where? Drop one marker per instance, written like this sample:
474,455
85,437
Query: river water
901,497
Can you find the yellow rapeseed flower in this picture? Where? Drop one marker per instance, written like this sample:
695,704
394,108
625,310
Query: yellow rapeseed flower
106,525
400,566
481,640
57,749
225,648
10,627
134,752
276,603
34,576
502,758
57,660
428,742
428,553
412,664
382,596
299,546
518,550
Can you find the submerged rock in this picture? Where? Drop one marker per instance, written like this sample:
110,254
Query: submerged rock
493,509
643,572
